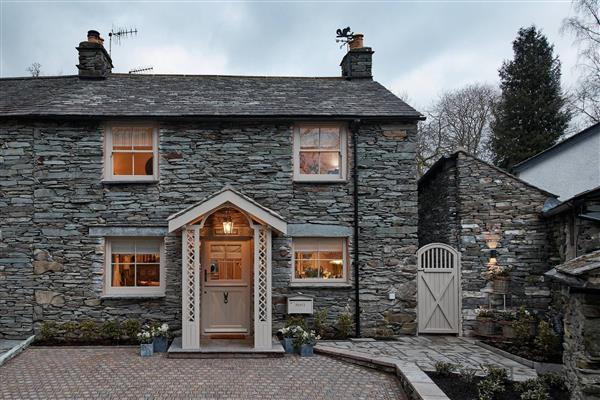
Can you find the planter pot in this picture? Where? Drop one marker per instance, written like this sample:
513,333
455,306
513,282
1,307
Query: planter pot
500,284
486,327
508,331
161,344
146,349
306,350
288,345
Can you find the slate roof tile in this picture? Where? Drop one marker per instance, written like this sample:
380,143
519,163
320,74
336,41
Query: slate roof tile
199,95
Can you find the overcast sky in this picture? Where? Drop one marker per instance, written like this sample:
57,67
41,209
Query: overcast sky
421,48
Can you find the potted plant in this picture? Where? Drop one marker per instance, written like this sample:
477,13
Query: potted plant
287,335
305,342
506,319
500,278
145,338
527,323
486,322
161,337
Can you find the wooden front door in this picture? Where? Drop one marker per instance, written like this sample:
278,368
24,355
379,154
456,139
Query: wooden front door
227,267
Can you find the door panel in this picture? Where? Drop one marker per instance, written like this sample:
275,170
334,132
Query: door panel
226,290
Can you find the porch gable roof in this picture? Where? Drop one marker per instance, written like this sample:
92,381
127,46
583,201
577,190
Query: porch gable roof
227,195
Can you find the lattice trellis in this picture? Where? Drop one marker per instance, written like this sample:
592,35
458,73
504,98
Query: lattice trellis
191,274
262,276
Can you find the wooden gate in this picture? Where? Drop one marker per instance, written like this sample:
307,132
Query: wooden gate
438,298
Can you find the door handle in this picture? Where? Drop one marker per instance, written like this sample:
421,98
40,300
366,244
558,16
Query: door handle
225,297
205,275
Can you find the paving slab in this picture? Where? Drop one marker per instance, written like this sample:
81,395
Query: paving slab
425,351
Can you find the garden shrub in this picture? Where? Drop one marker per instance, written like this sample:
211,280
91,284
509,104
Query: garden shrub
344,325
48,330
110,330
554,382
445,368
467,374
546,342
89,330
320,320
296,320
533,389
494,383
131,327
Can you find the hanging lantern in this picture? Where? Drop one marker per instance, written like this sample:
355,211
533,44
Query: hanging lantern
227,224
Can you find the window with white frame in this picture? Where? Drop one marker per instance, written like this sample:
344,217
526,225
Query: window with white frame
134,267
320,152
319,260
131,153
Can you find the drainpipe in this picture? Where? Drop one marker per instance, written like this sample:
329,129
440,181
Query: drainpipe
354,130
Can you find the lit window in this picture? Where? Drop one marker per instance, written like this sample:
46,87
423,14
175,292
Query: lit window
319,153
319,259
134,266
131,153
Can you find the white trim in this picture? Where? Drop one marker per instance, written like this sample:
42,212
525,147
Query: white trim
298,177
150,291
176,221
320,282
108,175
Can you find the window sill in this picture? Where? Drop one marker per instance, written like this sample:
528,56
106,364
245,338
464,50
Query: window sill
342,285
323,181
132,296
127,182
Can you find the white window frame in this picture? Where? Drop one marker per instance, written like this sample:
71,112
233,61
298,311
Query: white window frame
298,177
321,281
108,154
136,291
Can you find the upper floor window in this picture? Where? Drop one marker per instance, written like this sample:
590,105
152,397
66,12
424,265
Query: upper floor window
131,153
134,267
319,260
320,152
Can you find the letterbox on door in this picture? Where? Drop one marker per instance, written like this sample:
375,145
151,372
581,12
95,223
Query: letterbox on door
300,304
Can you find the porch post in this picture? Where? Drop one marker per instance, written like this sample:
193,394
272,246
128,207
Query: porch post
190,288
262,288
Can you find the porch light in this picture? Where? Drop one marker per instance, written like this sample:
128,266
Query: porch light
227,224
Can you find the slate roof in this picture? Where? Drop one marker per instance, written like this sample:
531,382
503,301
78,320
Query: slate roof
580,272
199,96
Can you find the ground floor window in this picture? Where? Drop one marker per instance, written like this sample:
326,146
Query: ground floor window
319,259
134,266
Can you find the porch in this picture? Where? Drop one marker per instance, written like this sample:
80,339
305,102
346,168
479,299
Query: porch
226,276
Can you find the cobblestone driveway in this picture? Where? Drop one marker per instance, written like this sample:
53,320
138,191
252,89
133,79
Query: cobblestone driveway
119,373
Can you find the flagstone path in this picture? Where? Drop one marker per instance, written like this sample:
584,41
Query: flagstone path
425,351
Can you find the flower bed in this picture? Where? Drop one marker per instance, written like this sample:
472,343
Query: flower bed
461,383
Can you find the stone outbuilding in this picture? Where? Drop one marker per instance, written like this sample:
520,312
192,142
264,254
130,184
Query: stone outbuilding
579,280
462,201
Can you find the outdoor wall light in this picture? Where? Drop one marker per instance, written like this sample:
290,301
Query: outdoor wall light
491,240
227,224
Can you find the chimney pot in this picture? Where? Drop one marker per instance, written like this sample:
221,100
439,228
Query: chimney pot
94,60
358,61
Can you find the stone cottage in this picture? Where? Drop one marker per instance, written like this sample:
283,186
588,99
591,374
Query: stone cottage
462,202
205,201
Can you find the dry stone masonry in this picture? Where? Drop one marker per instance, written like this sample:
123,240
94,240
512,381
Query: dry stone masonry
51,194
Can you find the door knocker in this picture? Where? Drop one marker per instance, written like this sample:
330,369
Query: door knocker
226,297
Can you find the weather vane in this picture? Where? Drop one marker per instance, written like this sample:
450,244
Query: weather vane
344,36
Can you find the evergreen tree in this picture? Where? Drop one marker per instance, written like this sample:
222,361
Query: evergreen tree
530,116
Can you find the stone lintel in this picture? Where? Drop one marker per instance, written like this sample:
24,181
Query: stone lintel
109,231
318,230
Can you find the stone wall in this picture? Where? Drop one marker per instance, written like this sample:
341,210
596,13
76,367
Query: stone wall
438,206
16,241
581,344
487,198
54,194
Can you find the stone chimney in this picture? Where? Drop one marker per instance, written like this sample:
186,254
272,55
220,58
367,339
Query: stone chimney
358,61
94,61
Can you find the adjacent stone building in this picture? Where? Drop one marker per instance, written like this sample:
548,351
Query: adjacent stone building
461,200
204,201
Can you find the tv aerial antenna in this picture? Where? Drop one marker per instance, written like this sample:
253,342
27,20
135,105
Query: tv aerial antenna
140,70
118,34
344,36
